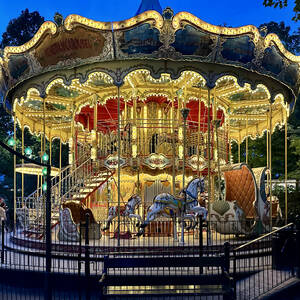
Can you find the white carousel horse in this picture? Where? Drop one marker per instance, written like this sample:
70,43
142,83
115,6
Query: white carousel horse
167,205
265,209
2,214
125,211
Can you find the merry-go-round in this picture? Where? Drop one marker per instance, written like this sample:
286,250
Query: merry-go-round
149,108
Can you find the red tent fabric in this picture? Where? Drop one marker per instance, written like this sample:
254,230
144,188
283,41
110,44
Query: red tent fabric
107,117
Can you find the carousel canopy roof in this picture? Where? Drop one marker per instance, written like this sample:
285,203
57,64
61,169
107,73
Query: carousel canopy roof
149,5
65,69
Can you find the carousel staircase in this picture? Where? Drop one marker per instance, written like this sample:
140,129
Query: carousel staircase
76,182
90,186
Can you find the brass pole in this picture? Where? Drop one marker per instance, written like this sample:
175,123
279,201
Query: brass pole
174,160
50,149
198,136
270,164
247,139
15,176
60,146
267,142
22,128
285,166
239,145
44,124
229,141
218,159
173,145
119,166
185,113
208,166
239,151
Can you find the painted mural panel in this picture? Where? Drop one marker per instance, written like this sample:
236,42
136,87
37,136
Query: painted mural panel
80,43
291,74
18,66
272,60
191,41
139,40
239,49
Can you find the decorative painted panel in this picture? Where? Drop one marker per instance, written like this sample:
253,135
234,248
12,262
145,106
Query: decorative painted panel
191,41
18,65
239,49
139,40
272,60
112,162
290,75
157,161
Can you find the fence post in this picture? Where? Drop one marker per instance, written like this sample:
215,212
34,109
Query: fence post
200,221
87,257
297,252
87,250
234,274
226,255
48,295
79,252
2,244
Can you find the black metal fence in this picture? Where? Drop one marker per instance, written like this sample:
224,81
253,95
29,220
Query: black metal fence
257,265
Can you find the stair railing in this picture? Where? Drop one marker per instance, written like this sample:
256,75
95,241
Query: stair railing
33,206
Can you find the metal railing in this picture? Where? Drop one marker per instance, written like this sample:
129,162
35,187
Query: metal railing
269,260
64,186
81,252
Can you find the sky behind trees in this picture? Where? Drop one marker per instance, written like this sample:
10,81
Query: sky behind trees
218,12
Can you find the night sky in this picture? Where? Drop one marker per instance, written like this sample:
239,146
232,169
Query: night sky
218,12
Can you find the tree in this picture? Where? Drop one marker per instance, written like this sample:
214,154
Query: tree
282,4
257,148
22,29
18,32
291,41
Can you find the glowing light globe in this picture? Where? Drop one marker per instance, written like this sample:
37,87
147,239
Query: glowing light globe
44,187
11,142
45,157
28,151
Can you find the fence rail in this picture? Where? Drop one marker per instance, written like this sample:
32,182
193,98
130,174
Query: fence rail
257,265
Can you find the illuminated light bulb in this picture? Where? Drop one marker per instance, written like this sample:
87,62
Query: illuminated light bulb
11,142
180,134
44,171
93,153
28,151
134,132
180,151
44,187
45,157
134,151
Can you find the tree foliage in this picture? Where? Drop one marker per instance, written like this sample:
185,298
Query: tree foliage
22,29
284,3
291,41
18,32
257,148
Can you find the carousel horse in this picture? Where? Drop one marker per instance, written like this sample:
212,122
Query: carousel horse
276,211
125,211
3,209
167,205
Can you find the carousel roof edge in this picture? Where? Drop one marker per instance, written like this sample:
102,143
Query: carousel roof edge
178,21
